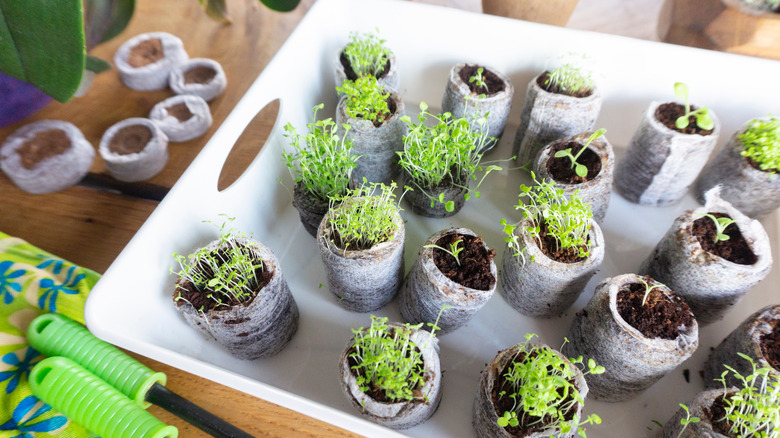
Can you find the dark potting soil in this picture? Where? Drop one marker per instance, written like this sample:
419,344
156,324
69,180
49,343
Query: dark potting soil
660,317
351,75
668,113
494,83
542,82
378,393
474,268
130,140
551,249
505,404
717,414
200,300
770,345
180,111
561,168
199,75
145,53
754,164
735,250
43,145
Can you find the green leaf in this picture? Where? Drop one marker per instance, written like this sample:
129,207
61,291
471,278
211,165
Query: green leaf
450,206
563,153
581,171
42,47
681,90
281,5
217,10
105,19
96,65
704,121
681,122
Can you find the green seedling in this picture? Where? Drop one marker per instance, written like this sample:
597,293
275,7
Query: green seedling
703,119
752,411
366,99
649,288
454,250
364,216
580,169
367,54
325,166
761,142
479,80
687,420
571,77
721,223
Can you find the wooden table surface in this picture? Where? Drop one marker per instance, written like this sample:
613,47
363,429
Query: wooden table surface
90,227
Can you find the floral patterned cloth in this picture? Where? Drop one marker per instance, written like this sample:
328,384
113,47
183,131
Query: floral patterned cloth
33,282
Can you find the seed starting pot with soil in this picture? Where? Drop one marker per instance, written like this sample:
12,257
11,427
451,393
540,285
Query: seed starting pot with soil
437,279
758,337
134,149
200,77
473,94
310,208
599,158
146,60
420,199
540,286
182,118
549,116
700,407
638,343
259,327
343,70
749,189
711,277
662,161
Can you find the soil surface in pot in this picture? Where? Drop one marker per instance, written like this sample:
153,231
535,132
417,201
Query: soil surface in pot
735,250
130,140
548,86
351,75
200,74
561,168
717,414
200,299
474,268
505,404
378,393
668,113
180,111
770,345
146,52
45,144
551,249
494,83
660,317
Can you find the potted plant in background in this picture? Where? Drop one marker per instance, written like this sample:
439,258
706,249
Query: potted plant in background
746,169
366,55
320,171
391,373
374,114
551,253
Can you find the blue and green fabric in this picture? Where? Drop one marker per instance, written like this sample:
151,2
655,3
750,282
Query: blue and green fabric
33,282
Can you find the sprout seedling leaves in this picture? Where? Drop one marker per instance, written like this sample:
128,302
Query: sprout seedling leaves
703,119
721,223
580,169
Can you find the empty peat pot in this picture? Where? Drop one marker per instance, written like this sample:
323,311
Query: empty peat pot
662,334
549,116
134,149
145,61
599,158
467,285
46,156
200,77
711,276
463,97
661,162
182,118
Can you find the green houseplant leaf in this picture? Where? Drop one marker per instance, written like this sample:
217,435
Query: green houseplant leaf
281,5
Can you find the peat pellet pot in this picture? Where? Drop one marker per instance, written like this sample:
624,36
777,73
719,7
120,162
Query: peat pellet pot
699,407
388,77
310,208
420,199
427,289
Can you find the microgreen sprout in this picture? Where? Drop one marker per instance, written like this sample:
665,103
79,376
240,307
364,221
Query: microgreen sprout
367,54
324,167
703,119
366,99
567,218
454,250
761,141
753,410
721,223
649,288
572,77
687,420
540,384
513,241
364,216
226,274
580,169
445,152
479,80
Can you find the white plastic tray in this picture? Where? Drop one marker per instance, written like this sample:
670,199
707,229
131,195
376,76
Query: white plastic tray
131,306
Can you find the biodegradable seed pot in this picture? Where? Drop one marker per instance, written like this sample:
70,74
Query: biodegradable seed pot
361,51
699,407
711,276
548,116
182,118
424,396
200,77
636,328
751,187
465,284
758,337
46,156
146,60
492,381
310,208
134,149
598,158
262,322
473,91
432,202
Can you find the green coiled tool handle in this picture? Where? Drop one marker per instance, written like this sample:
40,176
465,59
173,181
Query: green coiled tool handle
57,335
93,403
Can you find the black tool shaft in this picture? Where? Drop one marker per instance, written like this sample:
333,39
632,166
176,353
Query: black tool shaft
192,413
